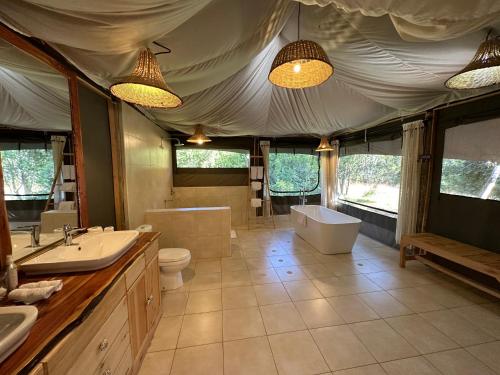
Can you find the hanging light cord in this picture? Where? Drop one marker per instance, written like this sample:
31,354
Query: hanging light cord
298,23
167,50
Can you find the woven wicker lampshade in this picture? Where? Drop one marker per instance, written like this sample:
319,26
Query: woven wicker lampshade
145,85
199,137
299,65
482,71
324,145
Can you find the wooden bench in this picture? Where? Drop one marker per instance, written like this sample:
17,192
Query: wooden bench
482,261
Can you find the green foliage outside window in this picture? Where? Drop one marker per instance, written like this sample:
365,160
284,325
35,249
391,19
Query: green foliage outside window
210,158
27,172
293,172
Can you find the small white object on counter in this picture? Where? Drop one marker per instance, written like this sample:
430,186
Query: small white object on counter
3,292
33,292
109,229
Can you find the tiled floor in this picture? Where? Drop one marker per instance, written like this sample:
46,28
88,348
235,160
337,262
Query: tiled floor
277,306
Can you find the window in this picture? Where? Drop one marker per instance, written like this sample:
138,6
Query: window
290,173
371,180
28,174
471,161
211,158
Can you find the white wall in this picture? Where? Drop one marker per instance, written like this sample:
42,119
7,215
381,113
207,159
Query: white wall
148,167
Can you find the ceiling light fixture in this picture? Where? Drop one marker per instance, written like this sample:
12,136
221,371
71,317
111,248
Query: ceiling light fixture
300,64
324,145
483,70
199,137
145,85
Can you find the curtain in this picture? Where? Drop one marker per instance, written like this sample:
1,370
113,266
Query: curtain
328,175
410,177
266,207
58,142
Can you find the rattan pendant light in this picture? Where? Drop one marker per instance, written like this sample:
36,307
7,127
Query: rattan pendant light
199,137
324,145
145,85
483,70
300,64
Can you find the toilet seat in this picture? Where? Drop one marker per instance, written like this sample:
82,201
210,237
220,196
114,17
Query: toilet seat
172,255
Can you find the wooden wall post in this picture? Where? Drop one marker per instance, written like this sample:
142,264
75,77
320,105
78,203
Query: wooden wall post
5,243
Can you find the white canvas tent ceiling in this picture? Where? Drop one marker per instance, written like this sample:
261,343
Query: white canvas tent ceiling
391,57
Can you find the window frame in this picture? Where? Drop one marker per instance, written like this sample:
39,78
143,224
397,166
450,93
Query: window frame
197,169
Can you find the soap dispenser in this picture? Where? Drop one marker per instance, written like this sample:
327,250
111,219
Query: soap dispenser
12,279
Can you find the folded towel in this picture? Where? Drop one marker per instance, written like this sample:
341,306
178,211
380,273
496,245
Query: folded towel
256,202
3,292
253,173
43,284
256,185
260,173
31,295
68,172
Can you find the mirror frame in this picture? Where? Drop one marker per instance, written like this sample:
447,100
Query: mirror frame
29,47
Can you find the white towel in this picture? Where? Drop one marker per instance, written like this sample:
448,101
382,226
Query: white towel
43,284
256,202
253,173
260,173
31,295
3,292
68,172
256,185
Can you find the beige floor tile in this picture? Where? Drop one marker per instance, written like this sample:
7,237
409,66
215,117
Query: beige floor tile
206,281
382,341
422,335
486,317
199,360
445,295
352,308
345,285
301,290
341,348
488,353
242,296
316,271
281,317
207,266
384,304
410,366
157,363
166,334
258,263
249,357
295,353
391,279
318,313
236,278
415,300
290,273
198,329
364,370
304,259
174,303
204,301
283,261
271,293
264,276
457,328
458,362
242,323
231,265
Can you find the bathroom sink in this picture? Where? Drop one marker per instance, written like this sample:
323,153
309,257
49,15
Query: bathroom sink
15,326
90,251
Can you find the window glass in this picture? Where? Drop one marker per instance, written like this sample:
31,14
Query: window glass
371,180
290,173
211,158
27,174
471,160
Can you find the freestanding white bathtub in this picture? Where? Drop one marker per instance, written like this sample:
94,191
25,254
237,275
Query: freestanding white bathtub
329,231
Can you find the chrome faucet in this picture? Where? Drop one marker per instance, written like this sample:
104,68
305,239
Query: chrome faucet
68,234
302,197
34,232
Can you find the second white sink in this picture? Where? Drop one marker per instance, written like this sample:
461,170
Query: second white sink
15,325
90,251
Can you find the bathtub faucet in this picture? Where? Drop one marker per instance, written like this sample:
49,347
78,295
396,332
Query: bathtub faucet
302,197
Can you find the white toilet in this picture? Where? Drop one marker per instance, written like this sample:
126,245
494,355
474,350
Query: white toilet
172,261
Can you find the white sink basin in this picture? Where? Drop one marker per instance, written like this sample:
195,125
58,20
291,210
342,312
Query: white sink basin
15,326
90,251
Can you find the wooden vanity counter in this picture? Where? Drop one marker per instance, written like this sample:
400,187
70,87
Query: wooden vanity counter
68,308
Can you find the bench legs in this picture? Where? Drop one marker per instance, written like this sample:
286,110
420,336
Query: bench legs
402,255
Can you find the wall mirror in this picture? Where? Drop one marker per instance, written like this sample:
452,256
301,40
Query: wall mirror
36,149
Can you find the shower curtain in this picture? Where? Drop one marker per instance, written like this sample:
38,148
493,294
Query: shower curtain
410,179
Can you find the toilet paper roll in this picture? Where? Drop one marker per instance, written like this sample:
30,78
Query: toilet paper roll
253,173
256,202
256,185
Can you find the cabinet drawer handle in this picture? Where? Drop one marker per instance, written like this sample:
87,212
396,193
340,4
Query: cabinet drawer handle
103,345
107,372
149,300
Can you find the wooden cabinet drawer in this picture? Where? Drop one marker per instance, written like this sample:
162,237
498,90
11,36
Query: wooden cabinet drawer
125,365
152,251
134,271
102,342
67,352
137,314
118,350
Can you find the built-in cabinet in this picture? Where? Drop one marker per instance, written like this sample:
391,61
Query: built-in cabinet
114,338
